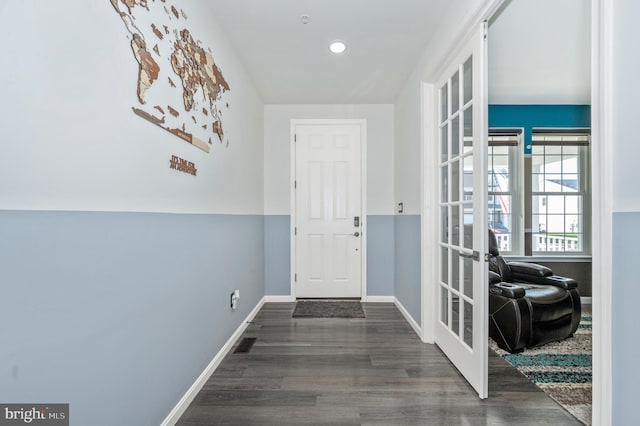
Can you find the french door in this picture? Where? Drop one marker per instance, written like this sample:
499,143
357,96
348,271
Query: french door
461,329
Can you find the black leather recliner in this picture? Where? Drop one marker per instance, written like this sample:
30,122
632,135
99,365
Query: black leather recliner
528,305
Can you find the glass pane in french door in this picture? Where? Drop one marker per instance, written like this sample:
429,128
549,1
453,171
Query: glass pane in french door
456,204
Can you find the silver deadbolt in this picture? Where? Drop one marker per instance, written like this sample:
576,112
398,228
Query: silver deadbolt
356,234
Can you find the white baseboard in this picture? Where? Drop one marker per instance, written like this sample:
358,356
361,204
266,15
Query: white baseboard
378,299
279,299
416,327
586,300
188,397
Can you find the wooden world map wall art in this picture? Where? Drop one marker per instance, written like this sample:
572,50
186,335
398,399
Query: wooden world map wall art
179,86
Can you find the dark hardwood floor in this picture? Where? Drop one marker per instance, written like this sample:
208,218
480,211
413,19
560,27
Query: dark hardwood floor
358,372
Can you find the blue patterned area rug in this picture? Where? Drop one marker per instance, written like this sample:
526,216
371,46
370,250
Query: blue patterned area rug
561,369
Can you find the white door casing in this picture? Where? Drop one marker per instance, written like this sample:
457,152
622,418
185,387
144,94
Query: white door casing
327,197
461,327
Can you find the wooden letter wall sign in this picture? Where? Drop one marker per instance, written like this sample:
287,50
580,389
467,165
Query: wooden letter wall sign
182,165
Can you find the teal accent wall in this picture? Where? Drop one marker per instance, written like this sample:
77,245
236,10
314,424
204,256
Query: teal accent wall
537,116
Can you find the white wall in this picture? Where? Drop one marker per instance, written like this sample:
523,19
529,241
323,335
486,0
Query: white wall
70,139
408,117
407,148
277,128
539,53
626,63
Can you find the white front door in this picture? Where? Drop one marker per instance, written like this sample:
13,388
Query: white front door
329,223
461,329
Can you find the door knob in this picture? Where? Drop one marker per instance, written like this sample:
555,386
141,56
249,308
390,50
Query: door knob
356,234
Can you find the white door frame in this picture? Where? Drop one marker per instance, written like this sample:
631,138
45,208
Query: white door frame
429,216
363,193
602,207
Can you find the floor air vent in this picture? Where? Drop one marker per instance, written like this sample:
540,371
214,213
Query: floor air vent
245,345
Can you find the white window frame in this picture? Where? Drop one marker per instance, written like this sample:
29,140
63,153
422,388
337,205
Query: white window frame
567,137
505,136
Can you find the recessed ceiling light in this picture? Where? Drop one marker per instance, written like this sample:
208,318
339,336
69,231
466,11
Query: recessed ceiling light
337,47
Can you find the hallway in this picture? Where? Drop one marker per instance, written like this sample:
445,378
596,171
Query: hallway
355,372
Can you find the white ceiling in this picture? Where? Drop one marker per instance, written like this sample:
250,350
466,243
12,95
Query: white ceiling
290,62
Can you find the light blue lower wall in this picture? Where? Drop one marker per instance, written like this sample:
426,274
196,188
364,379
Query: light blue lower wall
119,313
277,255
380,253
626,337
407,260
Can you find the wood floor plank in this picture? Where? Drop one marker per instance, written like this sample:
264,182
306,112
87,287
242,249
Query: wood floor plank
370,371
255,398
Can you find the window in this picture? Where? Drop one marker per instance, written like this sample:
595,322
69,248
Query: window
547,193
504,202
560,177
